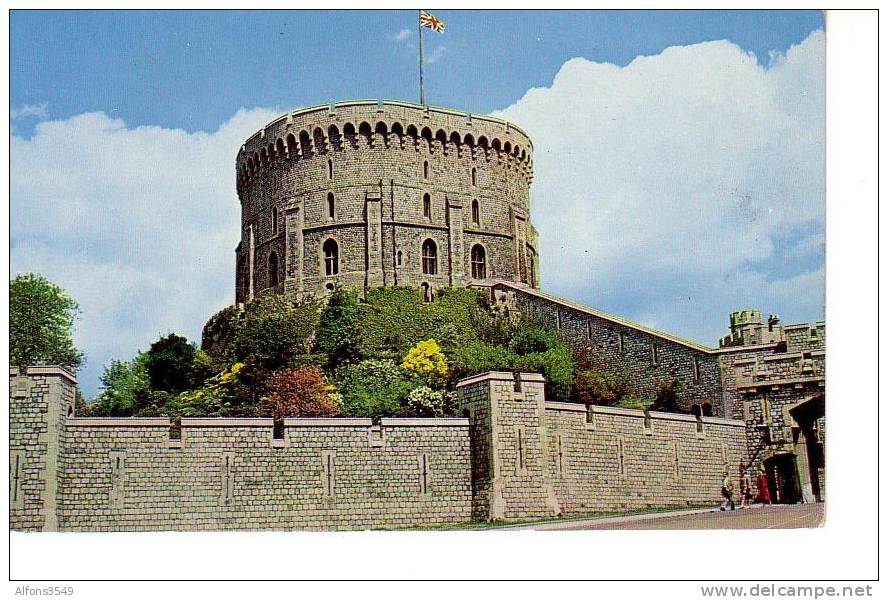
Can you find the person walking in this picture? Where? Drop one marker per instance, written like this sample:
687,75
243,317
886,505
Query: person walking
727,492
745,488
764,492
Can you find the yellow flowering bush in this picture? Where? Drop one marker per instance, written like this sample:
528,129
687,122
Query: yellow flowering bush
426,359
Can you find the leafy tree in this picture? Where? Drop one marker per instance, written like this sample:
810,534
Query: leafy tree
41,319
222,395
123,384
338,329
275,333
170,364
301,392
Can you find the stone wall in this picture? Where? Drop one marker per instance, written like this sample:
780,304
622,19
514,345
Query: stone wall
135,474
377,162
609,344
543,459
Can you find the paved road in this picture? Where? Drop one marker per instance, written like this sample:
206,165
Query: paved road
759,517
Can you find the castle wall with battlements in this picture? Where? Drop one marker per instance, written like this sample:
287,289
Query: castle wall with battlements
377,181
514,456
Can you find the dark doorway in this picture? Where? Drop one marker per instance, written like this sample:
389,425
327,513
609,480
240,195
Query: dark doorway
783,480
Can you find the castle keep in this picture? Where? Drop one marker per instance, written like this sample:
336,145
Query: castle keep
365,194
372,193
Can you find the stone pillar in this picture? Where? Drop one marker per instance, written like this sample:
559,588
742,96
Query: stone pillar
293,216
509,446
455,243
40,402
375,275
803,466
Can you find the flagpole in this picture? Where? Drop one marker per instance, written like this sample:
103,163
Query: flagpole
421,92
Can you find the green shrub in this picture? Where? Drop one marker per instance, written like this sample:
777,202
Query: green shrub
478,357
122,383
170,364
668,397
426,402
556,365
596,387
274,332
337,335
373,388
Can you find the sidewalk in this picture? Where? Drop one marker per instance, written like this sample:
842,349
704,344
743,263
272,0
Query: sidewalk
618,520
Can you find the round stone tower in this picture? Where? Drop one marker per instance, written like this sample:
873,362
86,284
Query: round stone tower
373,193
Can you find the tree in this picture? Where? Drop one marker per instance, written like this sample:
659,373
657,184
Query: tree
41,319
597,387
301,392
373,388
275,333
669,397
123,386
170,364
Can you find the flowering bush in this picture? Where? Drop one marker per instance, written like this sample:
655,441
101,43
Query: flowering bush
219,396
426,360
301,392
373,388
426,402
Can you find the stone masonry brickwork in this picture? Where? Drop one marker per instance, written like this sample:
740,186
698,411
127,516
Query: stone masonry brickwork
515,456
544,459
646,357
356,174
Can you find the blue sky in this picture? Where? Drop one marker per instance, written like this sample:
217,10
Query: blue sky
678,155
194,69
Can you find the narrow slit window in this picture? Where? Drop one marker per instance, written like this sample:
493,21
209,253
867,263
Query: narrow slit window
423,473
621,458
427,206
476,212
696,369
474,177
655,353
559,449
329,169
274,220
272,269
16,478
331,206
227,477
118,477
425,169
519,448
328,472
676,466
621,342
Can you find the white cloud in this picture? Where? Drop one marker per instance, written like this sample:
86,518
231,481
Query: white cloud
138,224
402,35
435,55
30,110
666,189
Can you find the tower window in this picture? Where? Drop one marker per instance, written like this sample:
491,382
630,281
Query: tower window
427,206
400,257
331,206
655,353
621,342
329,169
273,269
425,169
479,262
274,220
476,212
331,257
474,177
429,257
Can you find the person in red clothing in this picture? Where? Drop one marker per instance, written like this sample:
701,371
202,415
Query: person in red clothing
764,494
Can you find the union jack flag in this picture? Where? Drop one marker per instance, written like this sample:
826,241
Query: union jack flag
430,21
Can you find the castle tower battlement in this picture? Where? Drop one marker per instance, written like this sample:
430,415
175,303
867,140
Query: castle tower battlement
371,193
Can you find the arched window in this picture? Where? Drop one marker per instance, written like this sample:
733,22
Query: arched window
273,269
329,169
331,257
427,206
476,212
400,258
274,220
479,262
429,257
474,177
425,169
331,206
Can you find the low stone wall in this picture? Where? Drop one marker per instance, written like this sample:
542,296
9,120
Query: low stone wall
533,459
127,474
612,458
